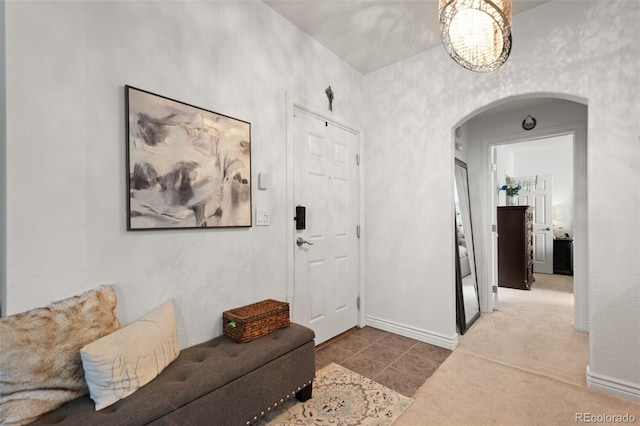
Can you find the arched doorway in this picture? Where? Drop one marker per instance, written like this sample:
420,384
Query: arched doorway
501,123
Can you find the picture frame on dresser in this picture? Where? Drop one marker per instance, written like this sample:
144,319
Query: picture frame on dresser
187,167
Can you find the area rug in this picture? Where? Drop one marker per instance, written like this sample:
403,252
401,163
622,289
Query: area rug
342,398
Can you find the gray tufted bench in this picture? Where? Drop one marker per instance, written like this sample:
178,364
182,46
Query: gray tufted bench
219,382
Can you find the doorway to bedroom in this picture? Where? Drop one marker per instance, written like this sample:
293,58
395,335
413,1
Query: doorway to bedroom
542,173
554,153
542,169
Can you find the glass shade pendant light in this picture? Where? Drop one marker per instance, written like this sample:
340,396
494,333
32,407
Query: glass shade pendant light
476,33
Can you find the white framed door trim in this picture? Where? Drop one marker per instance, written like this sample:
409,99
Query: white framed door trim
581,278
294,103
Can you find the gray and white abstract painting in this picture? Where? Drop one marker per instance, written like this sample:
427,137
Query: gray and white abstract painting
188,167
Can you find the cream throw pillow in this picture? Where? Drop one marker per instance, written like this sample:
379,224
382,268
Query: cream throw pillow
40,365
117,365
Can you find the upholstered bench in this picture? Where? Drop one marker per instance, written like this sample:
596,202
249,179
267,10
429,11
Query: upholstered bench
219,382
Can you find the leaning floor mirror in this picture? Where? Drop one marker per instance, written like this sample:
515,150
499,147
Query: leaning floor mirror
467,301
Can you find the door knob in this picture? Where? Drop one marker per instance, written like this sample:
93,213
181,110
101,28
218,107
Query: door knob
300,241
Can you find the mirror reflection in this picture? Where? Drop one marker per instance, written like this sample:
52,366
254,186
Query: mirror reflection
468,303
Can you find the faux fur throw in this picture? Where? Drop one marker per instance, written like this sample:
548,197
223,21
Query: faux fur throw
40,364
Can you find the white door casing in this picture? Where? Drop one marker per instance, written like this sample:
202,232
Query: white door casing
536,192
494,234
326,264
581,277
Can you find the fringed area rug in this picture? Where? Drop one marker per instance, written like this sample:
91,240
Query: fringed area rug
342,398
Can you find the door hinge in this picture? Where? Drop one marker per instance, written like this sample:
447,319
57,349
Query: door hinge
357,159
358,231
494,167
358,302
494,289
494,228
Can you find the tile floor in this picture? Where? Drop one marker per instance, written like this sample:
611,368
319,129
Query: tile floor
397,362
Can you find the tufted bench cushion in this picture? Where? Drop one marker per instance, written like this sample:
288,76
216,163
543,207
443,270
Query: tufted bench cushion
220,380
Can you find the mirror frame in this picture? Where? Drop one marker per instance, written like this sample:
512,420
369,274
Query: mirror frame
463,322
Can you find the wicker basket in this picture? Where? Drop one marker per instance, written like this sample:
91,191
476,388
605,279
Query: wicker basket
252,321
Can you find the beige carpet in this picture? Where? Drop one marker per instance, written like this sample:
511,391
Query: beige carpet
342,397
521,365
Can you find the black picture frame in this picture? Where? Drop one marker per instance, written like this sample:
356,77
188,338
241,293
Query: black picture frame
187,167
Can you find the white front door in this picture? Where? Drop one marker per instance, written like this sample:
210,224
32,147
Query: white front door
536,192
326,252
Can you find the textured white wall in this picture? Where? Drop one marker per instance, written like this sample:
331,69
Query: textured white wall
583,50
67,63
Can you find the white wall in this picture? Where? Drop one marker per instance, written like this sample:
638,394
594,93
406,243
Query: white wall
553,156
67,63
505,167
583,50
3,167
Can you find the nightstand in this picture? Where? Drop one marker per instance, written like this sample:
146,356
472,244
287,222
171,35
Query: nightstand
563,256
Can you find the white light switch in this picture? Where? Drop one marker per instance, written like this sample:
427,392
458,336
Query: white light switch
262,217
263,181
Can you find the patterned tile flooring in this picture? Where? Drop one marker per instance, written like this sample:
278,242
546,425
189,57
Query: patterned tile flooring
397,362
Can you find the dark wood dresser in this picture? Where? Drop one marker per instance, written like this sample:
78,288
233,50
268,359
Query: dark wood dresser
563,256
515,247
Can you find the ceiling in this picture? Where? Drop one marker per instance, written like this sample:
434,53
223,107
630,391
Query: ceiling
370,34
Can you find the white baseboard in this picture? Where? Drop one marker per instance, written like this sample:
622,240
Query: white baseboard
610,385
436,339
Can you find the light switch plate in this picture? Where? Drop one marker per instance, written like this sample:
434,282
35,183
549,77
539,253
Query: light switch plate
263,180
262,217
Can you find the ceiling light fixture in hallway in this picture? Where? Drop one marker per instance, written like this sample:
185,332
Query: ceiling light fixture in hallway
476,33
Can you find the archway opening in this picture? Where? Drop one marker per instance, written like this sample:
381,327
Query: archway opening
503,123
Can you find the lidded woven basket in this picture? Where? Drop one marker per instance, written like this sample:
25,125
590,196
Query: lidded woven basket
249,322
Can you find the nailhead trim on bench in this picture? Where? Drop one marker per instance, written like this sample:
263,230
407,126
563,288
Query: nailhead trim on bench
255,418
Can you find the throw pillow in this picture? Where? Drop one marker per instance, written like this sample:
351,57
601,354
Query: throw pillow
117,365
40,365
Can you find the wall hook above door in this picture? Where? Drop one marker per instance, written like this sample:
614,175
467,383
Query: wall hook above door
329,94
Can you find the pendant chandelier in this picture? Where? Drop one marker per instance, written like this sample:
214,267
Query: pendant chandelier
476,33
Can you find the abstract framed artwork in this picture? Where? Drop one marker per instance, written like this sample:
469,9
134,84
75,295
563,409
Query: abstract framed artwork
187,167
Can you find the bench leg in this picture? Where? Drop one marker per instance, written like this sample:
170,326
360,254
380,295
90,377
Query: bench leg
305,393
